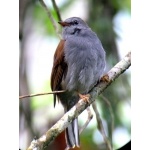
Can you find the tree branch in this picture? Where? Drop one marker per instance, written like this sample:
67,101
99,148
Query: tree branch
55,130
111,115
57,10
100,127
51,18
40,94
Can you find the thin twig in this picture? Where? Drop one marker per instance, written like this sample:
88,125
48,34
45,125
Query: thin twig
111,114
40,94
76,110
57,10
90,116
100,126
51,18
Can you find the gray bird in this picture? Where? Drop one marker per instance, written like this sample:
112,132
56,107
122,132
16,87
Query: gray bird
79,63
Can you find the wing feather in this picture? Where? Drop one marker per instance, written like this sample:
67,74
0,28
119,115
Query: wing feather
59,68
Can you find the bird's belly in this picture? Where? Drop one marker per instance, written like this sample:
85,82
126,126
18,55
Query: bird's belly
80,79
82,68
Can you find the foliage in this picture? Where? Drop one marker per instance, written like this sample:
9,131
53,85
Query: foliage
100,19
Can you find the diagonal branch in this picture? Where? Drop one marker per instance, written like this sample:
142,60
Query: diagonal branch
57,10
111,115
100,126
55,130
50,17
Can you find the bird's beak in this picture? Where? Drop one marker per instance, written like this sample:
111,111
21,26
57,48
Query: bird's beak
64,23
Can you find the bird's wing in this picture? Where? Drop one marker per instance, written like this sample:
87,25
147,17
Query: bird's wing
59,68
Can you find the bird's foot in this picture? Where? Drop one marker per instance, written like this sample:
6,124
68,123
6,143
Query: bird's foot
105,78
85,97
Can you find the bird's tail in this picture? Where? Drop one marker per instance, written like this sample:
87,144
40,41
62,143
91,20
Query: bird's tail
72,135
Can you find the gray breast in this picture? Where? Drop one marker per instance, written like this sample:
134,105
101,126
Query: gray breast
84,57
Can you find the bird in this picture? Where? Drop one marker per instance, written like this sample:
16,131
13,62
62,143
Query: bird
78,65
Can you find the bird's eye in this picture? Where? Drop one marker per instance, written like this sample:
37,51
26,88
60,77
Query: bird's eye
75,22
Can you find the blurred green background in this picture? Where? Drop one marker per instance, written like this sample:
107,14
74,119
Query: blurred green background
110,19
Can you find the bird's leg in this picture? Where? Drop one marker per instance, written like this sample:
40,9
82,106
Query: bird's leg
85,97
90,116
